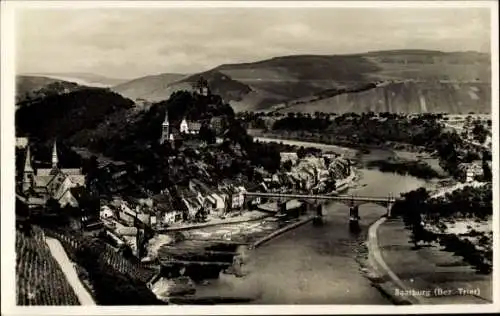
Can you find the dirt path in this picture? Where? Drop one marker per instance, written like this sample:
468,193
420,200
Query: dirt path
69,271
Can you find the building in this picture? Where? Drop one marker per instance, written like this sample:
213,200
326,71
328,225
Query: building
257,200
220,204
189,127
166,209
21,142
216,123
165,130
235,195
292,156
170,133
106,212
469,171
193,206
126,214
54,182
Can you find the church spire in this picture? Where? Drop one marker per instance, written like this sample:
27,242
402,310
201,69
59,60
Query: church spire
27,162
165,129
165,122
55,159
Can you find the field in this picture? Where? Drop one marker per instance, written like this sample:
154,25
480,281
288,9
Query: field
39,279
107,254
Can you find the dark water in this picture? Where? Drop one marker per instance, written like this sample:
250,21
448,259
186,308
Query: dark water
316,264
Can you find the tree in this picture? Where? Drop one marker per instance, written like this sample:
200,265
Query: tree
301,153
207,134
486,169
53,207
90,169
287,165
415,205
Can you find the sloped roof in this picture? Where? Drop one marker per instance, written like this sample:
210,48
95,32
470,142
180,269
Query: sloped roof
44,171
194,125
164,202
42,181
202,186
126,231
72,171
211,199
21,142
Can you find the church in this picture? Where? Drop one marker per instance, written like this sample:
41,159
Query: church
39,185
185,128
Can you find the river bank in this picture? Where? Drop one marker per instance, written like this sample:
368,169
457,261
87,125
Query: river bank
428,275
405,159
311,264
338,145
308,264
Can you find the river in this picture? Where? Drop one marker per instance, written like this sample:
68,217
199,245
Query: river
316,264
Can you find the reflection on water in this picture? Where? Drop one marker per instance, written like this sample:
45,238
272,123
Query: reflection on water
315,264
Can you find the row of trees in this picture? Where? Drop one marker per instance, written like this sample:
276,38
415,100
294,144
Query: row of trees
369,129
413,168
470,202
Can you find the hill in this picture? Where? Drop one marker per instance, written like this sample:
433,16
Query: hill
160,87
258,86
29,88
404,97
83,78
151,88
122,132
65,114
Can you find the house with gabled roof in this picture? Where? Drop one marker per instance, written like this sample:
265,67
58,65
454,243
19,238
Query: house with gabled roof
52,182
220,204
167,210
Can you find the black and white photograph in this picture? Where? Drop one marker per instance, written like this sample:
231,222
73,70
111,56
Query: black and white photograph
249,154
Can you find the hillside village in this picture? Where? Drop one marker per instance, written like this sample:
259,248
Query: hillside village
108,201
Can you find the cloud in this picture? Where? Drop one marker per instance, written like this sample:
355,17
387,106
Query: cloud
135,42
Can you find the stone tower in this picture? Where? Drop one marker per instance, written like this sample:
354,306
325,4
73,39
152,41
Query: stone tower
28,172
165,129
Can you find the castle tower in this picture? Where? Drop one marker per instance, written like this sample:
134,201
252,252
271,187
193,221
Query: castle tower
55,159
28,171
165,129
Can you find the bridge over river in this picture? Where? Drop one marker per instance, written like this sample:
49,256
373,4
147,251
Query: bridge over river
318,264
349,200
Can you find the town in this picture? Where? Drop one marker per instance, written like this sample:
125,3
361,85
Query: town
170,237
66,202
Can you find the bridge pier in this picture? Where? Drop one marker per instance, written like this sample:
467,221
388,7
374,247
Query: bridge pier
389,210
319,210
281,207
390,204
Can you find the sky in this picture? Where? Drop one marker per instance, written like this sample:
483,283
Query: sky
129,43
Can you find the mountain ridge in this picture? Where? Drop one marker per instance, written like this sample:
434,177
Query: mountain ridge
264,84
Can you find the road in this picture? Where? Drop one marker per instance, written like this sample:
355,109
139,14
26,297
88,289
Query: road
69,271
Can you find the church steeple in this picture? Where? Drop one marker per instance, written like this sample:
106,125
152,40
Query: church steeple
165,129
28,172
55,159
27,161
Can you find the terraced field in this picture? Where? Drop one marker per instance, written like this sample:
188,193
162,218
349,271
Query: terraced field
39,279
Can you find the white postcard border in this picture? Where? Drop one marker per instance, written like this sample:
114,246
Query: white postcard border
8,166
